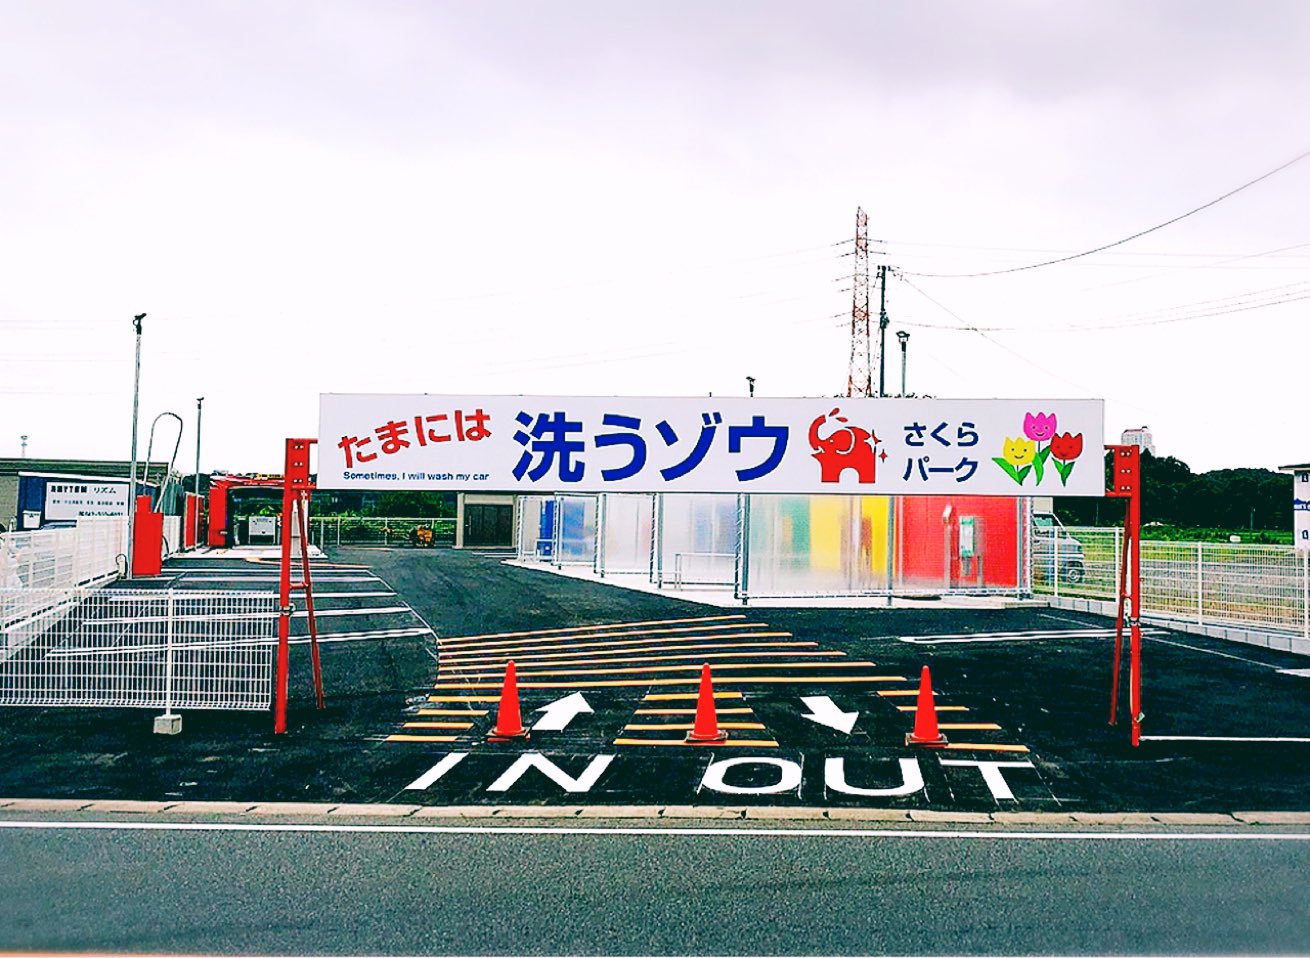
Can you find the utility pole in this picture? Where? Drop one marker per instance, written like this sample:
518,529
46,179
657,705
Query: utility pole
136,403
195,532
859,373
882,333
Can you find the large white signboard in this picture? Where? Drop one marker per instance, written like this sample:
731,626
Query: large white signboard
1301,509
1005,447
69,499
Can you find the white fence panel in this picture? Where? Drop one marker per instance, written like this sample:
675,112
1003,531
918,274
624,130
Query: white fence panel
137,648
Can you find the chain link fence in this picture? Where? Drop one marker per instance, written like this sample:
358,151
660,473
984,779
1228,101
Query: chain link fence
137,648
1206,583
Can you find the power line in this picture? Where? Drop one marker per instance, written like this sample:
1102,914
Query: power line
1126,239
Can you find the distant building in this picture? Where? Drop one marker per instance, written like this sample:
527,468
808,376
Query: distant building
80,468
1138,437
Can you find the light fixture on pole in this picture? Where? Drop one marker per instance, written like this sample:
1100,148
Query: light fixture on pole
904,337
195,531
136,402
750,385
24,438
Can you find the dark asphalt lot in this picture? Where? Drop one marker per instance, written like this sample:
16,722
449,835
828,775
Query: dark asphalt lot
1048,694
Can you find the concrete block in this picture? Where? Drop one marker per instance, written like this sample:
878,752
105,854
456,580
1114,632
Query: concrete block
124,805
1273,818
210,808
701,811
379,810
620,811
783,813
292,808
868,815
963,818
1300,646
1113,818
536,811
1193,818
1281,643
48,804
454,811
168,724
1032,818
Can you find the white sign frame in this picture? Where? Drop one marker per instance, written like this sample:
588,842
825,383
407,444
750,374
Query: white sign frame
549,444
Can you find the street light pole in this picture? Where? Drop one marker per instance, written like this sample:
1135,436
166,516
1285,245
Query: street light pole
136,403
904,337
195,531
750,384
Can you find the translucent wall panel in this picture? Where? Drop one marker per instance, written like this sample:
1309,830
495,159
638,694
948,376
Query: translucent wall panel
626,524
826,545
536,517
575,540
958,543
698,539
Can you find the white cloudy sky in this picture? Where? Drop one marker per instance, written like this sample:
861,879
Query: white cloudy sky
648,199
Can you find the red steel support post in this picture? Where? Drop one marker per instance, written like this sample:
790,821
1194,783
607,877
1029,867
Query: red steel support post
1127,484
295,483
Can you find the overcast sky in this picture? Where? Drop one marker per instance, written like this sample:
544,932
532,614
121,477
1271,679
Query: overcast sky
647,199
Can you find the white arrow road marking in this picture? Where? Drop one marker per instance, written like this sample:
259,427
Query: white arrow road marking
824,711
561,712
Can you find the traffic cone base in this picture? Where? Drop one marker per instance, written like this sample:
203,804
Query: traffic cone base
926,734
509,717
706,727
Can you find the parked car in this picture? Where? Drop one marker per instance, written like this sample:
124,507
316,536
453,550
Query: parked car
1050,539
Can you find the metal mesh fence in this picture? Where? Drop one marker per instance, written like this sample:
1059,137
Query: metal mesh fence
390,531
137,648
1262,586
59,558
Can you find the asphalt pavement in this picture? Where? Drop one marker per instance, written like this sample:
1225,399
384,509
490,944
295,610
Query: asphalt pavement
413,659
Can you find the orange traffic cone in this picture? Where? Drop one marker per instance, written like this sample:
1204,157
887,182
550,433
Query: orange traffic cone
706,726
926,733
509,719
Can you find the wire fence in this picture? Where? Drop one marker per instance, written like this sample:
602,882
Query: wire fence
1208,583
137,648
390,531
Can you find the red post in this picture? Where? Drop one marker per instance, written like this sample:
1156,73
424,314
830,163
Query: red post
1127,484
295,483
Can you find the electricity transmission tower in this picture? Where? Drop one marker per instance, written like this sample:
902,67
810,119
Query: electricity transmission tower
859,379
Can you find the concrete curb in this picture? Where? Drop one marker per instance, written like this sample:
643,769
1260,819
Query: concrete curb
649,812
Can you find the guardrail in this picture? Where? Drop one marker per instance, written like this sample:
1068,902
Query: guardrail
137,648
1206,583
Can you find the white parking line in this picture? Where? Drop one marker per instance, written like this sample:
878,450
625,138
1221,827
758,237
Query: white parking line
1036,635
1219,738
572,830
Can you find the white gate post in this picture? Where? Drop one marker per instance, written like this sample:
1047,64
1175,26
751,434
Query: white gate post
168,723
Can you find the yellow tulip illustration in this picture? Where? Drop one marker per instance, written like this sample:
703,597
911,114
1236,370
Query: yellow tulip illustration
1019,452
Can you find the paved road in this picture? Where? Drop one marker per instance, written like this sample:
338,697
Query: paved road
274,889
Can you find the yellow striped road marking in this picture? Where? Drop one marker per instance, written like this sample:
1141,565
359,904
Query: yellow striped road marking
642,683
524,666
587,628
550,643
672,696
717,711
739,743
970,726
981,747
524,674
939,708
677,727
452,711
605,649
464,698
901,692
461,725
422,738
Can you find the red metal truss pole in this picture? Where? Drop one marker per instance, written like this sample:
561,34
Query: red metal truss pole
308,583
1127,484
295,484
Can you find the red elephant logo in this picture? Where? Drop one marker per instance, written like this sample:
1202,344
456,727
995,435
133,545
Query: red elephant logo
846,447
